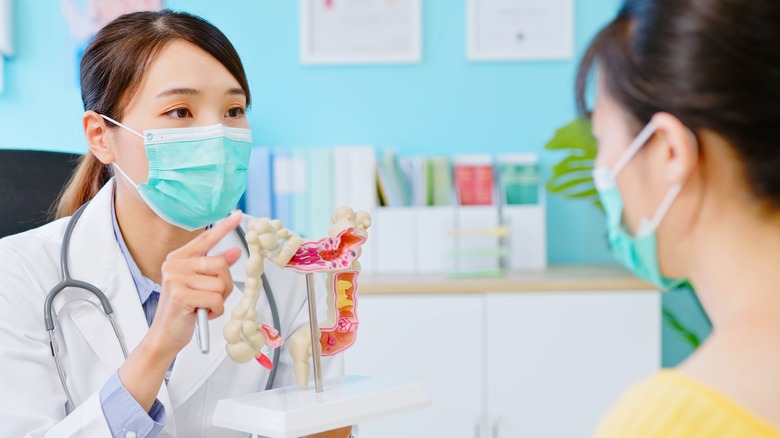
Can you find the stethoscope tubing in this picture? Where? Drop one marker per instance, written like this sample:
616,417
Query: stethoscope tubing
68,282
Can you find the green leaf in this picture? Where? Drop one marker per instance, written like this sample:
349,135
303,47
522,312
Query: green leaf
688,335
572,177
589,194
576,137
564,184
571,164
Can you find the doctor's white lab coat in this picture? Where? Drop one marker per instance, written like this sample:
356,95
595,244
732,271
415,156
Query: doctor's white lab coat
32,401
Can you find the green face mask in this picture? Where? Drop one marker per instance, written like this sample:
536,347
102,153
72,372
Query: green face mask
196,175
637,253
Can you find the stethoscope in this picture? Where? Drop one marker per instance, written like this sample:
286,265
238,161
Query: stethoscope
68,282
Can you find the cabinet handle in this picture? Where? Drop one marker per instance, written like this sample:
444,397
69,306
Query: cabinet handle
494,426
478,426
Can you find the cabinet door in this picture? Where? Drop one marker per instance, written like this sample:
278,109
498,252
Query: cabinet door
435,340
556,362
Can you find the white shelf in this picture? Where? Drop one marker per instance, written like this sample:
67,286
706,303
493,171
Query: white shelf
293,412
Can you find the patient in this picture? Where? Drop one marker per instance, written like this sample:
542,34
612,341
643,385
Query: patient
687,116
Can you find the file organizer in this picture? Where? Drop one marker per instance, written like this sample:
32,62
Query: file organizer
479,240
471,240
397,240
479,244
434,244
522,203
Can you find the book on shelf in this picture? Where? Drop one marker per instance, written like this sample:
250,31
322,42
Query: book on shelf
462,215
440,183
320,191
519,179
258,197
474,179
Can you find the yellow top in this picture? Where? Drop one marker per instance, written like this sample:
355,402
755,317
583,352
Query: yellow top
671,405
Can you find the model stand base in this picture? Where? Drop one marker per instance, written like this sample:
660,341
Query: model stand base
292,412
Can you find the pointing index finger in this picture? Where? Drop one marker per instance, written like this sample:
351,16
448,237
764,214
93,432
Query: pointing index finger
200,245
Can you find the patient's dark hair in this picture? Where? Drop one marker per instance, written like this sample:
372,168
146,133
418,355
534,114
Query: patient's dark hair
714,64
111,71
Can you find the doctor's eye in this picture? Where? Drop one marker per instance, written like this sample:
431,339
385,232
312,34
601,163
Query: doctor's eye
235,112
179,113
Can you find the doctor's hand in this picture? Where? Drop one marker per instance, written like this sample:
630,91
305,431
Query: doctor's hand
190,280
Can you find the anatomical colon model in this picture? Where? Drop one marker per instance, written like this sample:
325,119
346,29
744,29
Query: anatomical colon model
335,255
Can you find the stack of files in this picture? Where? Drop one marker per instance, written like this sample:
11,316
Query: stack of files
303,186
415,171
355,185
412,228
474,179
354,171
258,199
519,179
303,190
414,181
440,190
392,182
289,178
523,211
423,229
320,191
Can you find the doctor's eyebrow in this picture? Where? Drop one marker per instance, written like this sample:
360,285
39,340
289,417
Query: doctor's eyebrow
194,92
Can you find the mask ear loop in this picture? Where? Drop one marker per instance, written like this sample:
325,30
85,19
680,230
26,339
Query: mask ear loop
122,126
651,225
116,166
641,139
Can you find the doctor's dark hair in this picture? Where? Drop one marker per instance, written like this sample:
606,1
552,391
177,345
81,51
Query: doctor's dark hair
111,71
713,64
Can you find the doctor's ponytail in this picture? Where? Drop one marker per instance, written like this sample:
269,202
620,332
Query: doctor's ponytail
111,71
88,178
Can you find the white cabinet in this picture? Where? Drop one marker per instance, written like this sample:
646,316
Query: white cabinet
556,361
507,365
430,339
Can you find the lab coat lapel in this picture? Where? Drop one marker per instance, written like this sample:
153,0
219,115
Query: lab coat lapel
95,257
187,379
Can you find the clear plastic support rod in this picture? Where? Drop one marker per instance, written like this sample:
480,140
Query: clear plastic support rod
315,333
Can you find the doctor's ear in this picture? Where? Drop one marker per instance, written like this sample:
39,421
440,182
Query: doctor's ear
98,136
678,145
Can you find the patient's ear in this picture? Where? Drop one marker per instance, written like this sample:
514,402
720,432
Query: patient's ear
98,136
680,147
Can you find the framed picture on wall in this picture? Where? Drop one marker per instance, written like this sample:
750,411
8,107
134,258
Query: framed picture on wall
6,37
506,30
360,31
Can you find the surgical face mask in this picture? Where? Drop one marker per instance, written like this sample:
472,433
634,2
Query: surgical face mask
638,253
196,175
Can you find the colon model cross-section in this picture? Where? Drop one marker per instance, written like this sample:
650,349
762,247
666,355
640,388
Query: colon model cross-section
336,255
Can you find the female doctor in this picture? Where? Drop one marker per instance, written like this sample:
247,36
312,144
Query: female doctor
165,96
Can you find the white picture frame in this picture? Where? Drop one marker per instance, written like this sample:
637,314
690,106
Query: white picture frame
6,37
525,30
360,32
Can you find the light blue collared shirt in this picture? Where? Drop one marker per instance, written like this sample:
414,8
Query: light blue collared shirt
123,413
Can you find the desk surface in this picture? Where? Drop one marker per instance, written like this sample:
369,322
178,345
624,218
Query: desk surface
554,279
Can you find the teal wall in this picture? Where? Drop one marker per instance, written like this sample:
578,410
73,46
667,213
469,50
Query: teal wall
443,105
